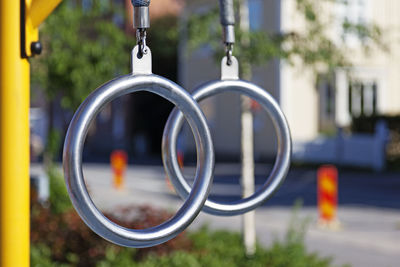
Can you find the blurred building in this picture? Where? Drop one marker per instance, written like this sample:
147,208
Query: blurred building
369,87
135,122
159,8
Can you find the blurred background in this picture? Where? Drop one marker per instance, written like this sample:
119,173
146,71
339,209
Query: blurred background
333,66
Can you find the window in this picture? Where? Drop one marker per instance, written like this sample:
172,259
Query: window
353,12
327,100
256,8
357,11
362,98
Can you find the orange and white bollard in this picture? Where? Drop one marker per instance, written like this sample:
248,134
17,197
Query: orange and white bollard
180,158
119,160
328,197
181,164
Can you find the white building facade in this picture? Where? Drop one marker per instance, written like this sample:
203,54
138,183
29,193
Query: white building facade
371,85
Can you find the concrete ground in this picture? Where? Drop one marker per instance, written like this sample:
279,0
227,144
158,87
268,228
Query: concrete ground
369,208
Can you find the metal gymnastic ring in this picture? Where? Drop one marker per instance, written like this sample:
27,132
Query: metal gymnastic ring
282,161
72,158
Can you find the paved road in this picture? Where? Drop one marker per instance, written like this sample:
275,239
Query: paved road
369,208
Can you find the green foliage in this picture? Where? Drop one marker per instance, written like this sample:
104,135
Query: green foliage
292,251
62,239
82,49
222,248
178,258
113,257
313,46
41,257
54,140
163,38
59,198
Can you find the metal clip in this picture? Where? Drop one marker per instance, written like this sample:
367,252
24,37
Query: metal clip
141,65
141,41
229,71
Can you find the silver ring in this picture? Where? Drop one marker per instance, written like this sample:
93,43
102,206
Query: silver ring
282,161
72,159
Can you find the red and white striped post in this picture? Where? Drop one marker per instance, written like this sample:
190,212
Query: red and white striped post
328,196
119,160
180,156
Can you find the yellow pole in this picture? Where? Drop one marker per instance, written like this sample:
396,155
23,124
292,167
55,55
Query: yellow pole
14,125
14,140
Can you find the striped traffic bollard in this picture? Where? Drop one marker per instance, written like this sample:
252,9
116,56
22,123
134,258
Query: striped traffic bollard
328,196
180,158
119,160
180,162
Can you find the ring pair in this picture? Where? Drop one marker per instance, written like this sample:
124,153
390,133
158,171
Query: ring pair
195,197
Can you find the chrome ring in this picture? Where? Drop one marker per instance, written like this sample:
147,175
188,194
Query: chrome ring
282,161
72,159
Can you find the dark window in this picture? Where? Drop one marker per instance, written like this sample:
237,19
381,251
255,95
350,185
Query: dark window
363,98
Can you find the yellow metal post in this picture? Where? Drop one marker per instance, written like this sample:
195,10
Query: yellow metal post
36,12
14,138
14,125
39,10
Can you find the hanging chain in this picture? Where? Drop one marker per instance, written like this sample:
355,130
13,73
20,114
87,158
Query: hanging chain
227,19
141,41
141,22
228,53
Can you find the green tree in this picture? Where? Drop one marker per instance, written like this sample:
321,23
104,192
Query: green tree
313,46
83,48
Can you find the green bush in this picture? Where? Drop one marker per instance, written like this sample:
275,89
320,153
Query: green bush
222,248
41,256
59,198
208,248
60,238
